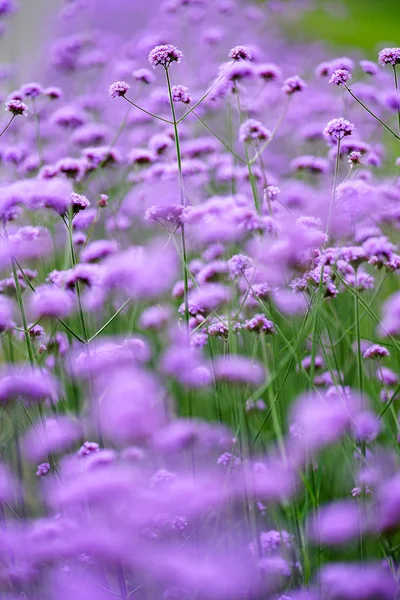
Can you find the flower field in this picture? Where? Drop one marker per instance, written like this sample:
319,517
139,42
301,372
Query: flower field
199,309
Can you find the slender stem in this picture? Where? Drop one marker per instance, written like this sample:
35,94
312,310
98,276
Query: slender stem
37,130
278,124
225,145
192,108
63,323
78,292
397,90
335,181
115,315
371,113
183,199
8,125
248,162
147,111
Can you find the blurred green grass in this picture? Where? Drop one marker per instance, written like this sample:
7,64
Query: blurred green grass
364,24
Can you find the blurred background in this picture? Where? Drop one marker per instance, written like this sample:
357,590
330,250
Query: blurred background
365,24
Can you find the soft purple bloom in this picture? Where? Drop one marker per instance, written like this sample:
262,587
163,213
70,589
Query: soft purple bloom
16,107
43,470
180,93
389,56
240,53
376,351
143,75
164,55
337,129
340,76
254,131
369,67
239,369
119,88
293,84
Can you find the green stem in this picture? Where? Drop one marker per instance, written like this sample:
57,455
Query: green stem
148,112
78,292
371,113
225,145
8,125
397,90
335,181
248,162
183,199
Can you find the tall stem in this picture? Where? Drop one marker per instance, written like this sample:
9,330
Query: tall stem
397,90
335,182
78,292
371,113
248,162
183,199
8,125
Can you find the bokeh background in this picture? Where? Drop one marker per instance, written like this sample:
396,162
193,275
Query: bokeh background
365,24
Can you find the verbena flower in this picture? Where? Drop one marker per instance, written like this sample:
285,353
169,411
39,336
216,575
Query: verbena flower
337,129
164,55
119,88
293,84
340,76
240,53
16,107
180,93
389,56
253,131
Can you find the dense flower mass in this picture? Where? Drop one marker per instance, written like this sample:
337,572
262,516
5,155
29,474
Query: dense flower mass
199,308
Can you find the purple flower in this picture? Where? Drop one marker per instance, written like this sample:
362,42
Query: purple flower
337,129
143,75
340,76
51,301
78,202
337,523
259,324
376,351
53,92
240,53
164,55
369,67
389,56
390,323
180,93
119,88
293,84
239,369
347,581
31,90
88,448
254,131
229,461
43,470
52,435
16,107
269,72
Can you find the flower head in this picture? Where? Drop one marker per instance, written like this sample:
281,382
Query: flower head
164,55
389,56
337,129
180,93
240,53
294,84
340,76
252,130
118,88
16,107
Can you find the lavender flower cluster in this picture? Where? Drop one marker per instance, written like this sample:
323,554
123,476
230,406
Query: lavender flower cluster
199,310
